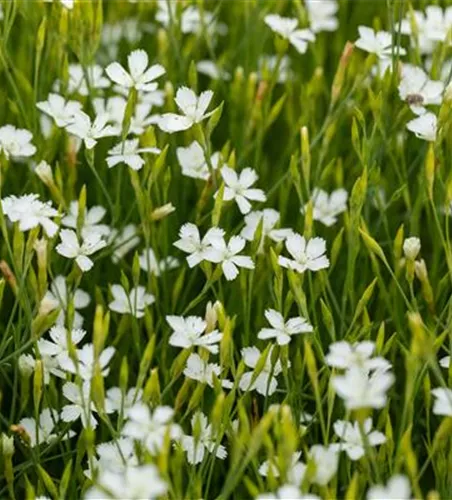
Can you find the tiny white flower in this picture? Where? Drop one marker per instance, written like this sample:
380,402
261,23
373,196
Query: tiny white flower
88,131
15,142
77,80
238,188
379,43
307,255
134,302
129,152
326,207
287,492
266,382
42,431
123,241
326,460
267,65
294,474
411,247
424,126
203,371
343,355
193,162
80,406
116,400
445,362
418,90
270,219
148,262
193,21
188,332
443,401
71,248
283,330
193,108
287,28
212,70
91,220
62,111
322,15
190,242
397,488
139,76
85,362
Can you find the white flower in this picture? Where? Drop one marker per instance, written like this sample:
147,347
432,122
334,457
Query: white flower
188,332
91,220
62,111
193,162
238,188
151,428
72,249
193,108
265,383
227,255
193,21
129,152
139,76
80,407
123,241
116,400
148,262
282,330
190,242
379,43
424,126
445,362
443,401
287,28
322,15
29,212
287,492
88,131
134,302
351,439
326,207
344,355
15,142
267,65
411,247
294,474
203,371
359,389
114,456
77,81
27,364
196,447
60,295
41,432
85,363
134,483
270,219
211,69
397,488
326,460
306,254
418,90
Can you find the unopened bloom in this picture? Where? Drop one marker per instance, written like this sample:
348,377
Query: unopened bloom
326,207
424,126
71,248
29,212
287,28
193,108
283,330
411,247
306,254
266,382
134,302
62,111
130,153
16,142
238,188
397,488
188,332
379,43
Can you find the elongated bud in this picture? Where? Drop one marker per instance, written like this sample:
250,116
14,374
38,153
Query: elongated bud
430,170
305,157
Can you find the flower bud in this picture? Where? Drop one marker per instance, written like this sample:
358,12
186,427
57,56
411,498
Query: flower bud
411,247
163,211
7,445
44,172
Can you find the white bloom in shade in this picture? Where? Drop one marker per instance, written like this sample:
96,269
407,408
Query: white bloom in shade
431,27
270,219
59,345
281,330
196,447
424,127
326,207
397,488
227,255
116,400
445,362
81,406
287,28
140,76
193,108
85,362
351,439
41,432
129,152
29,213
88,131
188,332
27,365
344,355
212,70
15,142
59,293
411,247
295,472
203,371
443,401
322,15
72,249
114,456
193,162
190,242
326,460
379,43
62,111
361,389
238,188
134,483
123,241
265,383
91,220
418,90
267,65
134,302
151,428
287,492
306,254
148,262
193,21
77,82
